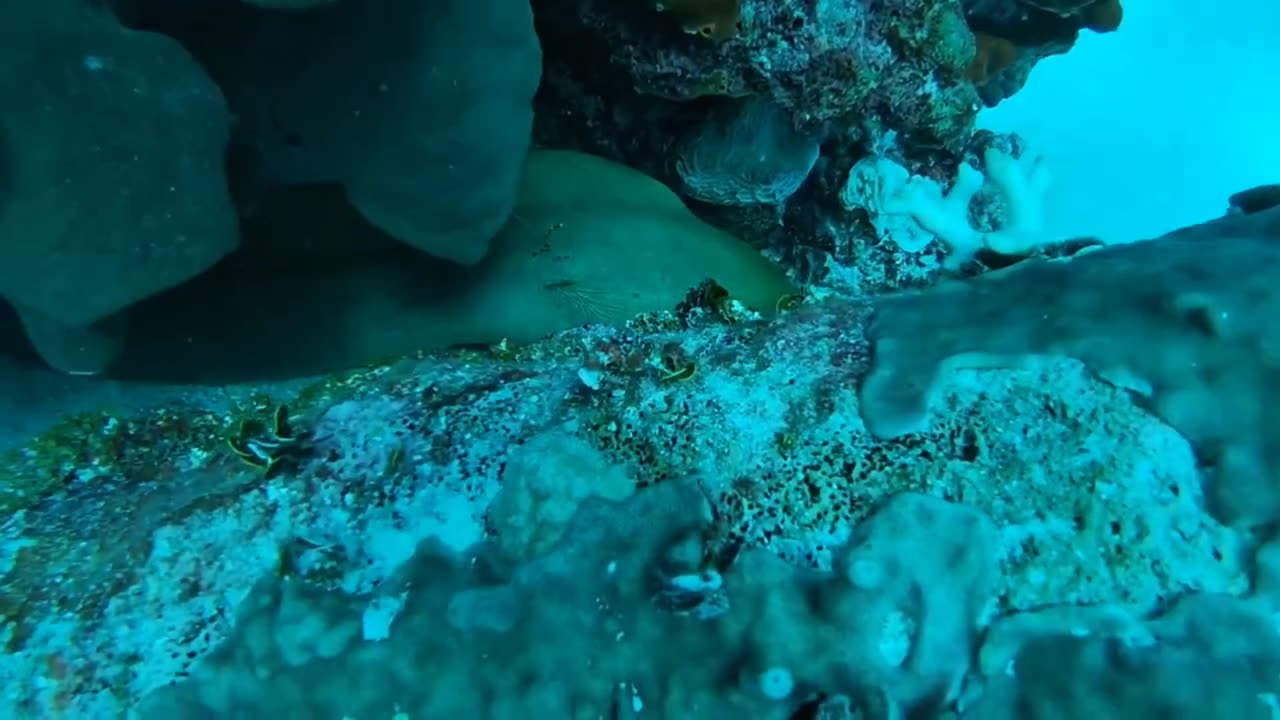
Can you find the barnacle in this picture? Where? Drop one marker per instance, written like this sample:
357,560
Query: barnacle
725,306
788,302
269,447
700,595
718,299
676,364
681,374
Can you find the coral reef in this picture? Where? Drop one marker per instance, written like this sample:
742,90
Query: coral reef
837,65
582,621
488,404
902,80
1086,498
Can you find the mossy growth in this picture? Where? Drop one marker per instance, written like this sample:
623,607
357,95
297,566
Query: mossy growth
151,444
79,448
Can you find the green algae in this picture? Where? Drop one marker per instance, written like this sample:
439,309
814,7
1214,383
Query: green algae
84,446
144,444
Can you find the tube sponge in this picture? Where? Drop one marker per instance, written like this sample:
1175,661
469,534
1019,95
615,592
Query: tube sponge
426,128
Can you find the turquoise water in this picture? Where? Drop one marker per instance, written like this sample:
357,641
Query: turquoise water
594,360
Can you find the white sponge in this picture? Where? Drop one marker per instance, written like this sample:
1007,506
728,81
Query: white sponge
890,195
1023,182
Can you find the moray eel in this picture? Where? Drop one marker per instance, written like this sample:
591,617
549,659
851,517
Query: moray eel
590,241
